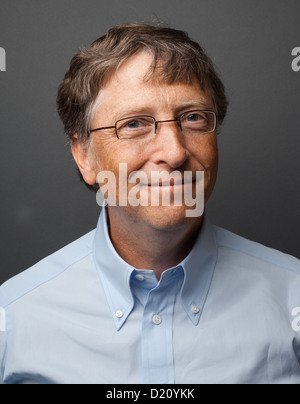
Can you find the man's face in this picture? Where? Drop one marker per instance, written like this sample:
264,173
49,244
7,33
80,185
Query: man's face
128,94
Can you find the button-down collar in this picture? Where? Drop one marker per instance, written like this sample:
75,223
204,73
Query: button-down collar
116,274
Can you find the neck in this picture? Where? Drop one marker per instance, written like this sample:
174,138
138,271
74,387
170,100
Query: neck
145,247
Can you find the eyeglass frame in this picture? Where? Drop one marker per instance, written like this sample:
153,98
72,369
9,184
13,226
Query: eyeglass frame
178,120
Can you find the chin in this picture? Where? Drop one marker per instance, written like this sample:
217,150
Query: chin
167,218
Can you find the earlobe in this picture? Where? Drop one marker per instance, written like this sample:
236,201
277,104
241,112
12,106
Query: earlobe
83,159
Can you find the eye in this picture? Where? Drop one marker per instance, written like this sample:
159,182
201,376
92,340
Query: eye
198,122
134,124
194,120
194,117
135,127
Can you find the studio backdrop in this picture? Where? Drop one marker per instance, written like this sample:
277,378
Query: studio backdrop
256,47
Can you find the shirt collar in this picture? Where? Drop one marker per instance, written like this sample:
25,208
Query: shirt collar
116,274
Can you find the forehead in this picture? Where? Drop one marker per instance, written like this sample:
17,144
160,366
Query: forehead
131,89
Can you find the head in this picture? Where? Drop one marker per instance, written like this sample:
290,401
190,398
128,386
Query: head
139,70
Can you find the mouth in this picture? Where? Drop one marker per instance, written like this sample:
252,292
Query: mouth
169,184
163,179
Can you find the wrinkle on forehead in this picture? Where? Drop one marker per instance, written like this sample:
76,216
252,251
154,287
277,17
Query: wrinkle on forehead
150,75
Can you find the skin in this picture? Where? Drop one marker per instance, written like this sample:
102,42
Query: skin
162,236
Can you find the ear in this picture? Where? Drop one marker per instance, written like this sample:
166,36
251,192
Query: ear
85,160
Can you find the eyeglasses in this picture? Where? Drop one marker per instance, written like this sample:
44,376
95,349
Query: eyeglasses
142,127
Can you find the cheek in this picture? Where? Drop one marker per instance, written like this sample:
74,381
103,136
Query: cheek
212,156
113,152
205,152
206,155
210,164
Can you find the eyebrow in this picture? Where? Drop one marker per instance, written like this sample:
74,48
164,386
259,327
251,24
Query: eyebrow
132,112
180,107
199,103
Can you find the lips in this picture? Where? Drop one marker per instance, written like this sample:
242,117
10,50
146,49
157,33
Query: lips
160,179
170,183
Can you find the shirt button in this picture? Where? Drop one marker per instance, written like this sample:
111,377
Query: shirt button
140,278
195,309
119,314
156,319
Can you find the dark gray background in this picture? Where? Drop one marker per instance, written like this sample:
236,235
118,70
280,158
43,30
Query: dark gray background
43,205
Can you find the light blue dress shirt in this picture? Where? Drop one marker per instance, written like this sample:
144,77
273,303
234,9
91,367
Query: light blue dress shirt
227,314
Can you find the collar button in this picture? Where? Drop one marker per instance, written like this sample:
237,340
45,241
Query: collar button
119,314
195,309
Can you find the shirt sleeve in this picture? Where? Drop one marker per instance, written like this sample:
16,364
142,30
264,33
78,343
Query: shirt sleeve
2,343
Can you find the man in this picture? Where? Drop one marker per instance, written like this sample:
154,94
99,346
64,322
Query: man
155,294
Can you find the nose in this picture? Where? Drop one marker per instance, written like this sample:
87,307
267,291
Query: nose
170,148
178,121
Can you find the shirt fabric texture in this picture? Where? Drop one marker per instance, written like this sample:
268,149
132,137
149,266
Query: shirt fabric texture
225,315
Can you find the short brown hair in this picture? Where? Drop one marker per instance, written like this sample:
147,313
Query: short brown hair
180,60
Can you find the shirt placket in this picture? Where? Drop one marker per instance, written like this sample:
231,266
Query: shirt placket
157,332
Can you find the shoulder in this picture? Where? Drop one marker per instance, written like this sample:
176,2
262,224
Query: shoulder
255,251
46,270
